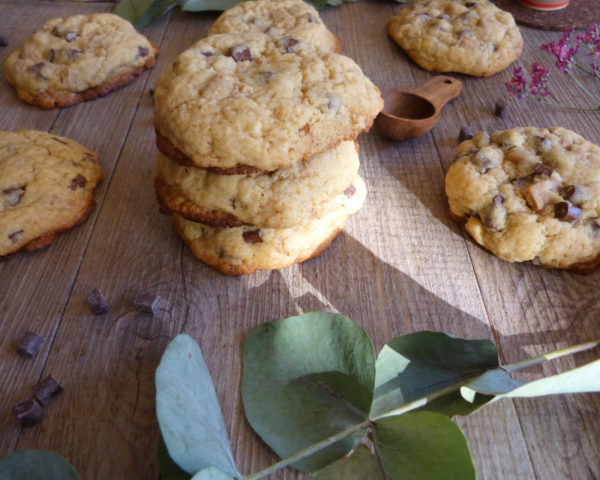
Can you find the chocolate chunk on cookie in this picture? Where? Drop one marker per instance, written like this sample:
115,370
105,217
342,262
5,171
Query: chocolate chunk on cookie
46,186
78,58
537,200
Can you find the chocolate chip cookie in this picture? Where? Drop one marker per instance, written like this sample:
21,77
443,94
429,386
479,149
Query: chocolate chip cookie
46,186
279,199
236,101
281,18
242,250
530,195
466,36
78,58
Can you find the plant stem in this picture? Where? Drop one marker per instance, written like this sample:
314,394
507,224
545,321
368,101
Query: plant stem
514,367
566,107
580,85
308,451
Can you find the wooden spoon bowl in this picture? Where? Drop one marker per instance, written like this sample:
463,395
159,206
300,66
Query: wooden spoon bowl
410,112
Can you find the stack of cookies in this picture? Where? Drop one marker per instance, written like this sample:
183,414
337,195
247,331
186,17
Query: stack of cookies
258,157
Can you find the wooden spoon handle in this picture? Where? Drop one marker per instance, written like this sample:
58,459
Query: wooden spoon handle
439,90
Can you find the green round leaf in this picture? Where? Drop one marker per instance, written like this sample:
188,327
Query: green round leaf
423,446
188,411
305,379
36,465
420,364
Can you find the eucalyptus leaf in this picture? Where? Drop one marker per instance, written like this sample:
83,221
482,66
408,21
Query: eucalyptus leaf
188,410
132,10
202,5
211,473
360,464
305,379
492,382
412,367
156,10
36,465
578,380
423,446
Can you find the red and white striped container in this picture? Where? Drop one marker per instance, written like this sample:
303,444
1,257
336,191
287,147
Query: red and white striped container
545,5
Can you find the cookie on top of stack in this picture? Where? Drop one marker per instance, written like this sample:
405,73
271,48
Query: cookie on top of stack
257,155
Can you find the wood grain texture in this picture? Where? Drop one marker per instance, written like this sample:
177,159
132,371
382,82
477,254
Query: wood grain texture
400,265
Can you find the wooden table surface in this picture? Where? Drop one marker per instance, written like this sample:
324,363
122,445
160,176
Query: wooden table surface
401,265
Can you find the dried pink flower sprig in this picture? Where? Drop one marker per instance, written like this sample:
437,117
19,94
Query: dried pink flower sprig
566,60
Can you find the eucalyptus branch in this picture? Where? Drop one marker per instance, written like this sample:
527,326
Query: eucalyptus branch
307,452
514,367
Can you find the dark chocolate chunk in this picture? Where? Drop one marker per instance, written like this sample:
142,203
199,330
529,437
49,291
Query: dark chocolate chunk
30,345
147,303
56,31
351,190
72,53
253,236
470,4
52,54
576,194
501,109
70,35
310,18
290,44
3,41
543,169
465,134
14,237
46,389
498,200
566,212
78,181
206,53
143,51
240,53
97,302
12,196
28,412
37,68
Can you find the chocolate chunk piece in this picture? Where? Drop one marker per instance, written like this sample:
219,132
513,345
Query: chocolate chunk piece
576,194
494,215
350,191
97,302
253,236
501,109
3,41
310,18
70,35
143,51
78,181
14,237
46,389
37,68
543,169
465,134
30,345
147,303
290,44
28,412
539,194
470,4
207,53
12,196
241,53
566,212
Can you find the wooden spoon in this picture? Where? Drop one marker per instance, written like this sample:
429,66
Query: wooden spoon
410,112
